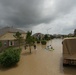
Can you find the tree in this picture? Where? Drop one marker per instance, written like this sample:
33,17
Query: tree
47,37
29,40
18,37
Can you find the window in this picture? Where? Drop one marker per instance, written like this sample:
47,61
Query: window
11,43
5,43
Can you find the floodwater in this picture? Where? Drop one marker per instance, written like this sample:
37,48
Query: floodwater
41,62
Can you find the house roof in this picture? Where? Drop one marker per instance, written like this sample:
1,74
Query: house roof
37,34
10,29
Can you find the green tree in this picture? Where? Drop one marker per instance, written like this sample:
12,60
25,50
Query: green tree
29,40
18,37
46,37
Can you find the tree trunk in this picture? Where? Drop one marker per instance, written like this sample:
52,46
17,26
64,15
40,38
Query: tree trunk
19,45
30,48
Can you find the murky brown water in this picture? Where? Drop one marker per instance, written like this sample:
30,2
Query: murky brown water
41,62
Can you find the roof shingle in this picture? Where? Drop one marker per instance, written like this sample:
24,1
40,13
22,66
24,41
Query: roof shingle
10,29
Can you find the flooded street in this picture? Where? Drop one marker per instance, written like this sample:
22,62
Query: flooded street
41,62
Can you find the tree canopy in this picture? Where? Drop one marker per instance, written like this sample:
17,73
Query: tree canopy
29,39
18,37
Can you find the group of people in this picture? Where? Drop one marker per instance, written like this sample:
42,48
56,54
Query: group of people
49,47
34,47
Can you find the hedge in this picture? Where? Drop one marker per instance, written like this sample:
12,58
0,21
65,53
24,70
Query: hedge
10,57
38,41
43,42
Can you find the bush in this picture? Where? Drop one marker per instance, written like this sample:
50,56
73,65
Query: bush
43,42
10,57
38,41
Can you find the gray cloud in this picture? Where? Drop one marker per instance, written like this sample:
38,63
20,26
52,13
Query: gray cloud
30,13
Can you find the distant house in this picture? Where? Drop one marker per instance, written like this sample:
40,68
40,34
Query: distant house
38,35
7,38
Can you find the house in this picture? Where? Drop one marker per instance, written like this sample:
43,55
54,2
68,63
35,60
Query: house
38,35
7,38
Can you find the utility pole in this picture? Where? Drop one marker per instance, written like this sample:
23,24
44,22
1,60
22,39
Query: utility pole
48,29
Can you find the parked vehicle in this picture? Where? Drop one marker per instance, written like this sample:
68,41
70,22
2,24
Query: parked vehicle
69,51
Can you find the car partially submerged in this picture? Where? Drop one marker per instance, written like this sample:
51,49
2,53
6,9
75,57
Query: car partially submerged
69,51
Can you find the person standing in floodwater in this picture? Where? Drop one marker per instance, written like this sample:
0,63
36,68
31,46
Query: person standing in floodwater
25,47
34,46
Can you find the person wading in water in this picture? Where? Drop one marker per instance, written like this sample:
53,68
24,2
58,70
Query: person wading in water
34,46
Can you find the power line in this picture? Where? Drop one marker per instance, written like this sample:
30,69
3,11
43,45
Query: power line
48,29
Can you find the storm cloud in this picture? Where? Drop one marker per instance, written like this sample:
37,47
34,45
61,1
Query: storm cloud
60,15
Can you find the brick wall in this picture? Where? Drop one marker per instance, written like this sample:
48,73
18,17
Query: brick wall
4,44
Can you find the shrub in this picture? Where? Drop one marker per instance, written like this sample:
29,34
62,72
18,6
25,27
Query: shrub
38,41
10,57
43,42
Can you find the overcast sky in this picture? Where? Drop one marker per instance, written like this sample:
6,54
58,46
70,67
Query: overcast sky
45,16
